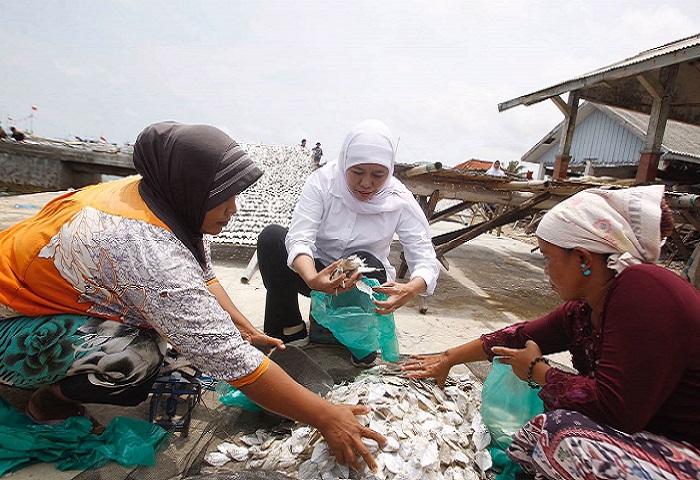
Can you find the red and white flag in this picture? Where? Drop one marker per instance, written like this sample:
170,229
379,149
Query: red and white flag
103,139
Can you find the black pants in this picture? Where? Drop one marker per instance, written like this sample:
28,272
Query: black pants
284,285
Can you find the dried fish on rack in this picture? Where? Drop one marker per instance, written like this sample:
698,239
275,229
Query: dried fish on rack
431,433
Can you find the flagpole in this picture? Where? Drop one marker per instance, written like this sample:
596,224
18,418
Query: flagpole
31,119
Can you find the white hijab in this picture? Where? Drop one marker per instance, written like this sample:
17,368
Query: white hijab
371,141
623,223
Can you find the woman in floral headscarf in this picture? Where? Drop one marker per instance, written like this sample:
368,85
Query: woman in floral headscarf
93,286
632,410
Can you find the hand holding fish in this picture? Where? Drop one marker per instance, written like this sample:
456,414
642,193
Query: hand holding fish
328,281
435,366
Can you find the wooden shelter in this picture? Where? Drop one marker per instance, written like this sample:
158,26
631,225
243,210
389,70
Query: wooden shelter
517,200
663,82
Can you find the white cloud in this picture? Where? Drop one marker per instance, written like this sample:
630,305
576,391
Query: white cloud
277,71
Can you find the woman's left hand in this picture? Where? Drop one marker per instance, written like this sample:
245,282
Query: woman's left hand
435,366
518,358
399,295
263,342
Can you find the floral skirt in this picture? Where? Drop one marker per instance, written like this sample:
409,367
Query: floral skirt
563,444
94,360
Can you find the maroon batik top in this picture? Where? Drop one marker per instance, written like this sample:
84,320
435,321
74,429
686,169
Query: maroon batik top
640,369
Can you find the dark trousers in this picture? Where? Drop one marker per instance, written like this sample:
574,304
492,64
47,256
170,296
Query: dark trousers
284,285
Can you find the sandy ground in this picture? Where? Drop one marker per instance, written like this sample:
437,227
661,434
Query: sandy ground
492,282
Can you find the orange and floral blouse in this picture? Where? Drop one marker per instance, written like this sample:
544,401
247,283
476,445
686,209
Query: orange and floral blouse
100,251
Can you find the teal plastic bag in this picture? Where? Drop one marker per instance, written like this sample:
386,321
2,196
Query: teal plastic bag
507,404
71,445
351,318
507,468
232,397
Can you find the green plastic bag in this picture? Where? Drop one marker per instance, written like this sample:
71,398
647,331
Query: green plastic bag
351,318
71,445
507,404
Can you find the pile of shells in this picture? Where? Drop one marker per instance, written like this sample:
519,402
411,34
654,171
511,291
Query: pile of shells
432,433
271,199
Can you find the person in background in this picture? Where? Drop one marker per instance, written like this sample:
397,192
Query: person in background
3,134
17,135
303,143
354,205
632,409
95,285
496,170
317,153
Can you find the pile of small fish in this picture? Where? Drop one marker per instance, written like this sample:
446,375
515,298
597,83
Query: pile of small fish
432,433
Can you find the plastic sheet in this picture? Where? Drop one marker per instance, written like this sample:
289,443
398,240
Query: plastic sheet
71,445
351,318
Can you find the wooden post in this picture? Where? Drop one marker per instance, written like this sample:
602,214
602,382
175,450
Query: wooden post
660,107
561,163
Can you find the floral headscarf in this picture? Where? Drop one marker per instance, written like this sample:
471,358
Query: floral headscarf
623,223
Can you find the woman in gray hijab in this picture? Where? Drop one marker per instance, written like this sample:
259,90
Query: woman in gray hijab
94,286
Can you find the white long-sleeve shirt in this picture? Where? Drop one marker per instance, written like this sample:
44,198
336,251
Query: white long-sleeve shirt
324,228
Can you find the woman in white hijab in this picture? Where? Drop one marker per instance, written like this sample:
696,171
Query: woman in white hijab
351,206
632,409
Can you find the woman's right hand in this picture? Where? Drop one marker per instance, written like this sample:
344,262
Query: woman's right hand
277,392
322,282
344,434
435,366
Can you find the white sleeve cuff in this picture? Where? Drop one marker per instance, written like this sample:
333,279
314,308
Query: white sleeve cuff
295,251
428,277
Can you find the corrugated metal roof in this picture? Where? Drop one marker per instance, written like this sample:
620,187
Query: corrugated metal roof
617,84
681,140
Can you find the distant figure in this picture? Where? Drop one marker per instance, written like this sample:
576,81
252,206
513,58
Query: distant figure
3,133
318,153
18,135
303,143
496,170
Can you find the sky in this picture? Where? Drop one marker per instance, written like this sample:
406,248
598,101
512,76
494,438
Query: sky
274,72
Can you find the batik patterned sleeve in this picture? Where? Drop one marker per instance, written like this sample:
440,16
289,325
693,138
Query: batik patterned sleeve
142,274
183,309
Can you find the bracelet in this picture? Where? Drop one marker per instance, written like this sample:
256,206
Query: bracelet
535,361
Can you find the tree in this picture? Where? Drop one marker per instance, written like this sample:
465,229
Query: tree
514,167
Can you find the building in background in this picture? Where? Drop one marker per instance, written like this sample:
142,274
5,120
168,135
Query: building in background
607,142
